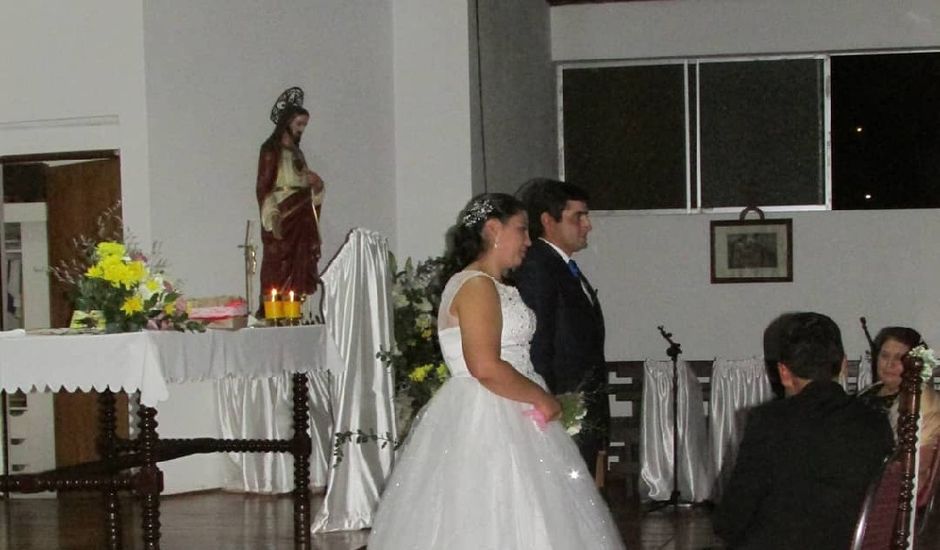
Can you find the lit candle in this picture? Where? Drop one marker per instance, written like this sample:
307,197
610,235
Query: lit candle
291,307
273,308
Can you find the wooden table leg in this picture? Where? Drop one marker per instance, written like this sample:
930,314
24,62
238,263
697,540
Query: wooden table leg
301,449
149,482
107,426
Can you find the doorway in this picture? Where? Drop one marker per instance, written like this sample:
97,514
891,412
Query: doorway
48,201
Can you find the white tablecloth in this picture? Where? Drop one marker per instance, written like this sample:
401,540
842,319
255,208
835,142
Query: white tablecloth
147,361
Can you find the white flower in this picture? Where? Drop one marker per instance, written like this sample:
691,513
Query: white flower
150,286
927,358
399,299
423,321
574,429
423,305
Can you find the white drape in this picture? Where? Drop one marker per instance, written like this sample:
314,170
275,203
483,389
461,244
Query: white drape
737,385
261,408
656,435
355,392
358,311
864,373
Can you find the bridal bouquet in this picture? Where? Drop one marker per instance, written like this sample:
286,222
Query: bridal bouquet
573,411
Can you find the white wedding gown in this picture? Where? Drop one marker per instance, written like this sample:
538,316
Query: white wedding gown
475,473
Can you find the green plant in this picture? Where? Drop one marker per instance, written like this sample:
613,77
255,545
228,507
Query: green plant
415,358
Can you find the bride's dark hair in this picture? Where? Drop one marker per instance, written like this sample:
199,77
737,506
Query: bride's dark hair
465,238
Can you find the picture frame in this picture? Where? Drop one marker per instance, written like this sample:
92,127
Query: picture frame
752,251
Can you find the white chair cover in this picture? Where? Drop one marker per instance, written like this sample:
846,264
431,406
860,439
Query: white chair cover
656,435
358,310
864,378
737,385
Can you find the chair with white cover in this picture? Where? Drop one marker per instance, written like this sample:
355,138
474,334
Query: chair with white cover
656,435
737,385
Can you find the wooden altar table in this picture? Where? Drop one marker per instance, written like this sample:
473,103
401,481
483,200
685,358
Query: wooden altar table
146,363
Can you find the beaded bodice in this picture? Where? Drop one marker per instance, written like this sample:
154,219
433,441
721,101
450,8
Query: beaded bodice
518,326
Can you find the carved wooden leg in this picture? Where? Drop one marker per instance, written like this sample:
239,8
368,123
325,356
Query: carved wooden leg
107,426
301,448
149,483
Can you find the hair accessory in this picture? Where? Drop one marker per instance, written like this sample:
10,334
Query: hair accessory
291,97
477,212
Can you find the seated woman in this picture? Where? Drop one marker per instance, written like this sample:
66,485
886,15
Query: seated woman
890,346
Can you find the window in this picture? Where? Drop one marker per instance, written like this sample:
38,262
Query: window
712,134
761,133
886,131
625,140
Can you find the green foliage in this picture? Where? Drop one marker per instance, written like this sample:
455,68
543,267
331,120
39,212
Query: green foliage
415,359
359,437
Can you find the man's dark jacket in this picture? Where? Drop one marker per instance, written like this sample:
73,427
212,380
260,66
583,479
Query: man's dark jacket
568,346
802,470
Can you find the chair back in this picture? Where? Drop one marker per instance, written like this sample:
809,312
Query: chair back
928,489
885,519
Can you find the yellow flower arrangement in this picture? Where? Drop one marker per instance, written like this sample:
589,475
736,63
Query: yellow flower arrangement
131,292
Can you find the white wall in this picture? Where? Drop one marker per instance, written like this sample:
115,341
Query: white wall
518,90
213,74
434,126
654,269
678,28
72,78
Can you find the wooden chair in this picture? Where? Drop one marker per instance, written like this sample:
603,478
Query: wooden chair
885,519
928,494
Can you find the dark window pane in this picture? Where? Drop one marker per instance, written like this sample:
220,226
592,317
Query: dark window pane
624,135
762,126
886,131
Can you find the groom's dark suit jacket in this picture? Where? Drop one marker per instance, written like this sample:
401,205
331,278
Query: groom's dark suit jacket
802,470
568,345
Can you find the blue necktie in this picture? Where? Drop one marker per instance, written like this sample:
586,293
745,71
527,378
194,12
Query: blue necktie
573,268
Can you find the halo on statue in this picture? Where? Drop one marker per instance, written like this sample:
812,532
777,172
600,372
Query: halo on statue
291,97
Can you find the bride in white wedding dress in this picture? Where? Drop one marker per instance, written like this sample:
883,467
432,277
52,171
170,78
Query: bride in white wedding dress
476,473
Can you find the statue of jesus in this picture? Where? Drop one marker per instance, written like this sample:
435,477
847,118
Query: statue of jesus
290,197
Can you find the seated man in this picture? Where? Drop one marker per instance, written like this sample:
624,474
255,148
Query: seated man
805,461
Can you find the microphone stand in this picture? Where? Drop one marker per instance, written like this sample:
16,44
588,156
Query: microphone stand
872,352
673,352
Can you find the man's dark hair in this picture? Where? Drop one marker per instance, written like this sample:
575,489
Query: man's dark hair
547,195
773,339
810,345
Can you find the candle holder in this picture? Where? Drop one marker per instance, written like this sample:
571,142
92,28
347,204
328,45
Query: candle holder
273,309
292,309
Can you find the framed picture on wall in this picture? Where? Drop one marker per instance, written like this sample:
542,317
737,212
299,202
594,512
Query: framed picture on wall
752,251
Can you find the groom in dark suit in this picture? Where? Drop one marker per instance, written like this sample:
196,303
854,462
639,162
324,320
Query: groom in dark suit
568,346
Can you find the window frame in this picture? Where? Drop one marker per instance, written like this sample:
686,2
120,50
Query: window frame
696,178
